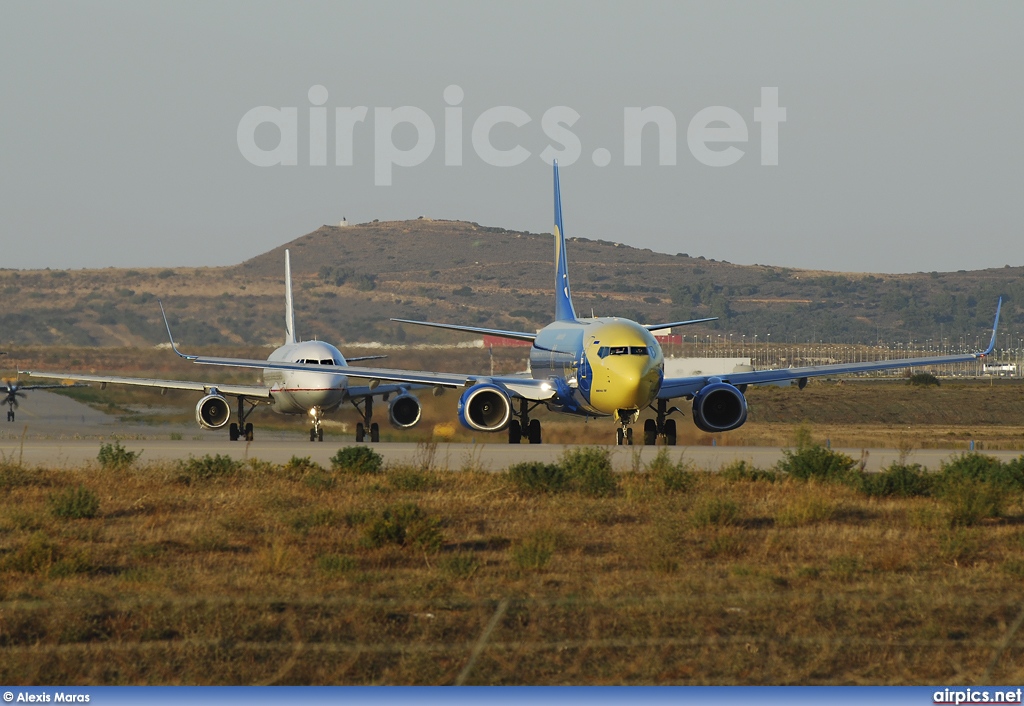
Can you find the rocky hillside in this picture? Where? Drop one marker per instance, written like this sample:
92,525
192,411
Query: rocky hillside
350,280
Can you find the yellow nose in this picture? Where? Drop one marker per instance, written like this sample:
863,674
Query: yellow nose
623,382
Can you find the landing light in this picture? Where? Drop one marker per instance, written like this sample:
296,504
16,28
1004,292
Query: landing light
545,386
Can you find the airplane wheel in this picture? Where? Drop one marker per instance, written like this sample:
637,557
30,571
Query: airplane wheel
319,434
233,432
629,436
534,432
374,433
670,432
619,436
515,432
10,416
312,434
248,431
650,432
360,432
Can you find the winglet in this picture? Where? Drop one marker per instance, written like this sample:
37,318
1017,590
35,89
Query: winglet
174,346
564,310
995,327
289,312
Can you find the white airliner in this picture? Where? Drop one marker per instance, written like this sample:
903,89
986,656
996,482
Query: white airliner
599,367
311,392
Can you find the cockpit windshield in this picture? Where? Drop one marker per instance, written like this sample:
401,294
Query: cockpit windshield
314,361
605,351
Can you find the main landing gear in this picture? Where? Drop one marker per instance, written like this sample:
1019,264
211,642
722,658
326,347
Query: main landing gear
243,429
367,427
523,423
662,426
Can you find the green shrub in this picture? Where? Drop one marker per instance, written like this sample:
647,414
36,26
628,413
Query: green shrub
36,554
804,510
336,564
409,478
923,380
537,477
535,551
971,501
299,466
984,469
360,460
674,476
743,471
460,566
589,470
303,522
815,461
75,503
208,468
405,525
319,480
898,480
714,511
115,457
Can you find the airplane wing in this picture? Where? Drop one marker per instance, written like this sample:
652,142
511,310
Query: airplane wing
525,387
358,391
687,386
22,388
253,391
517,335
659,327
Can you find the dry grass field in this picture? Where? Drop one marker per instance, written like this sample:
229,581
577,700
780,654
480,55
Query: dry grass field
210,572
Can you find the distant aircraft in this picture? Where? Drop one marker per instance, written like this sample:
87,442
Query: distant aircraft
12,391
320,387
598,367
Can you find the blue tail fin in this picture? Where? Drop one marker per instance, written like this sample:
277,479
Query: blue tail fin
564,310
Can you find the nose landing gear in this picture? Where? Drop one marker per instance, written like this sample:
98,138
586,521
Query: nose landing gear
624,434
316,432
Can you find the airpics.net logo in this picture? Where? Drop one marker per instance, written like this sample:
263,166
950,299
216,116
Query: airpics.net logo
712,134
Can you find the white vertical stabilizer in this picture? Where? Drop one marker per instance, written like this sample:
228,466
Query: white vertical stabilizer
289,313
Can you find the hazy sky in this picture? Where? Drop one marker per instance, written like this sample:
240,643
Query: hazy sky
902,149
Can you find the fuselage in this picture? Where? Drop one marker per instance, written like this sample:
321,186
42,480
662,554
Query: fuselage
602,365
298,391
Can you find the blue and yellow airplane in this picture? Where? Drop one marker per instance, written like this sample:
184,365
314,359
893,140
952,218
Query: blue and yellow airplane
597,367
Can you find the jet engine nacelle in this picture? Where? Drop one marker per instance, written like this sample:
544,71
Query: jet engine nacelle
719,407
404,411
485,407
213,412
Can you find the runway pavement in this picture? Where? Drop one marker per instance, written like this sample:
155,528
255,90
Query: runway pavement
54,431
73,453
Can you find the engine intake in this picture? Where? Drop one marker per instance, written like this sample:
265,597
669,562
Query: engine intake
485,407
404,411
719,407
213,412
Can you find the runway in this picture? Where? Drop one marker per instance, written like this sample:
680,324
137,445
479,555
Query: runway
76,453
57,432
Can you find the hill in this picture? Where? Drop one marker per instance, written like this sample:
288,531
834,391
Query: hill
350,280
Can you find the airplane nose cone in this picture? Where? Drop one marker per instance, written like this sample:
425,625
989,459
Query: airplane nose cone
629,383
